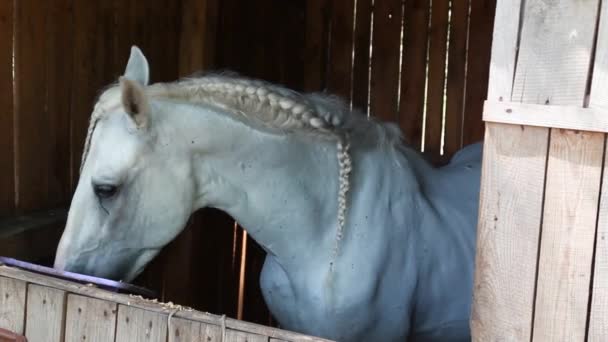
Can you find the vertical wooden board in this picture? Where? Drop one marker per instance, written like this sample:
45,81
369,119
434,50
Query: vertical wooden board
571,202
360,81
317,44
183,330
240,336
85,79
140,325
90,319
508,231
504,49
598,320
45,313
599,84
413,75
457,56
481,22
385,60
31,117
58,84
192,34
12,304
292,51
7,179
211,333
339,78
436,76
555,52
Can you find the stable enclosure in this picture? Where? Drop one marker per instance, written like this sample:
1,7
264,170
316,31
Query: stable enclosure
542,251
47,309
419,63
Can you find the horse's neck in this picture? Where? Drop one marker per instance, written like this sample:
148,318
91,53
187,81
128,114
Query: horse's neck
282,190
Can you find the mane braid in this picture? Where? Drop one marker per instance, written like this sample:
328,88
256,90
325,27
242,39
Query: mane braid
271,106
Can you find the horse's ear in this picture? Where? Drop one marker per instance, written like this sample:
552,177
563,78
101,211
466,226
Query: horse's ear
134,101
137,67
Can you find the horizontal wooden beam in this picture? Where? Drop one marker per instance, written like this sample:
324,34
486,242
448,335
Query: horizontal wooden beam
566,117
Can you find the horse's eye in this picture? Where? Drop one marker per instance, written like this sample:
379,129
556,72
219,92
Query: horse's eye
104,190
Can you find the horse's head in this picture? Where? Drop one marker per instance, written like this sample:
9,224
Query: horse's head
134,194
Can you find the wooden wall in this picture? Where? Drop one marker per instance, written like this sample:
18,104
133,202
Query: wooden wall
420,63
542,257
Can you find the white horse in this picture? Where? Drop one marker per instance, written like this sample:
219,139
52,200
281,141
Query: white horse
384,252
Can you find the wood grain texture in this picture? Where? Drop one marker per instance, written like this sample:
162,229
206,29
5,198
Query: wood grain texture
239,336
599,84
193,36
555,52
7,148
183,330
317,44
340,73
504,49
97,295
45,314
385,60
571,202
508,231
598,320
140,325
413,75
32,164
12,304
481,24
436,76
90,319
456,77
593,119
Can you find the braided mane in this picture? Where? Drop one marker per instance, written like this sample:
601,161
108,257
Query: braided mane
271,106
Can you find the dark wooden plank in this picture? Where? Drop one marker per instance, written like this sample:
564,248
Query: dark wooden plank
481,25
436,77
58,83
31,117
360,95
85,78
385,60
293,51
456,77
7,179
193,36
317,44
416,17
339,78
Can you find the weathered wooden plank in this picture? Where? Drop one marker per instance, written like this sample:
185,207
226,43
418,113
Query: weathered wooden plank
339,78
360,96
555,52
184,330
508,231
598,320
12,304
456,77
7,148
317,44
31,158
436,76
140,325
413,75
90,319
504,49
569,117
240,336
385,60
599,84
45,313
58,85
571,202
105,296
478,64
